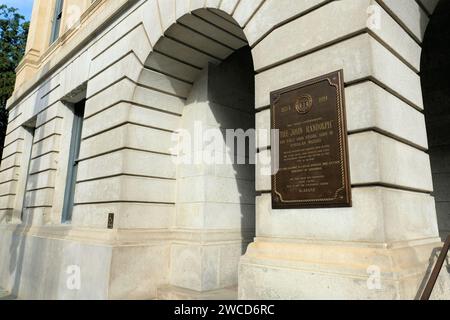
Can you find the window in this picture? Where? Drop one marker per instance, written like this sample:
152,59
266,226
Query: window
29,131
57,20
73,162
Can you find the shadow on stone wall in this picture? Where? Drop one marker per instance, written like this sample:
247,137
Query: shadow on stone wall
435,79
235,79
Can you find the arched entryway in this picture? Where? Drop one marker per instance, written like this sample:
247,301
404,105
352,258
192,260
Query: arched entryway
435,78
201,75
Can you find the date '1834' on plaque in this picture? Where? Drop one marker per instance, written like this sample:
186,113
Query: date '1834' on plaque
312,156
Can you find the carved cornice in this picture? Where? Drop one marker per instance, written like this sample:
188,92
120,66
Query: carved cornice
69,44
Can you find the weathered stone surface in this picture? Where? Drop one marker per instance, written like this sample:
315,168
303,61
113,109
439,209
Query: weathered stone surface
204,268
308,270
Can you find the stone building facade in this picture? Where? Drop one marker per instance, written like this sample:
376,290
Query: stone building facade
94,205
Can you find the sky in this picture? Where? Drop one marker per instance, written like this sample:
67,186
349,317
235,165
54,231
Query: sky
24,6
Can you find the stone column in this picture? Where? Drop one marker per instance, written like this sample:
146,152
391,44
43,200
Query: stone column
381,247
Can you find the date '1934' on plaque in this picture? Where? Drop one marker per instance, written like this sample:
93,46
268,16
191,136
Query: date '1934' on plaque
311,155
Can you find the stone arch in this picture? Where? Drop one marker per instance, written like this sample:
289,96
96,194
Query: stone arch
168,17
198,38
187,64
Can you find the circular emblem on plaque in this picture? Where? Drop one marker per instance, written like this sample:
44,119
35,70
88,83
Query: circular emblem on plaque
304,104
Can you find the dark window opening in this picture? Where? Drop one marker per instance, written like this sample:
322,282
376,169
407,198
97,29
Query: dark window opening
72,169
30,128
57,21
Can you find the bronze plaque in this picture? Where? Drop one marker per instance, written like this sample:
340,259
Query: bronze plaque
312,155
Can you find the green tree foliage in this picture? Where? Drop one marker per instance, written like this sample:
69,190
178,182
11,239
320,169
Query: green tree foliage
13,39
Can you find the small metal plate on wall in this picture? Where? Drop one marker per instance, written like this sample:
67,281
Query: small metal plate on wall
111,221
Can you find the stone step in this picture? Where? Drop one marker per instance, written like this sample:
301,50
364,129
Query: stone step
176,293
